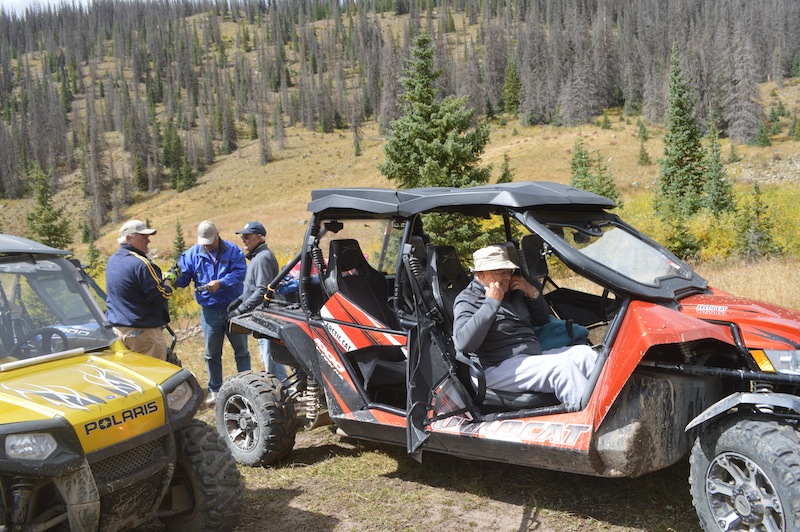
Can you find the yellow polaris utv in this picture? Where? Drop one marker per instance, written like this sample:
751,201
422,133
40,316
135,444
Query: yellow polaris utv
93,436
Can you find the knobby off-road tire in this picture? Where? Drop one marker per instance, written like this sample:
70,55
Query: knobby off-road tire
207,472
745,475
256,418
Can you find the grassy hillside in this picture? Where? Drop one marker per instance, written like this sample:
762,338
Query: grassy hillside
237,189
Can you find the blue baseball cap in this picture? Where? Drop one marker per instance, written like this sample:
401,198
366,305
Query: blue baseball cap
252,228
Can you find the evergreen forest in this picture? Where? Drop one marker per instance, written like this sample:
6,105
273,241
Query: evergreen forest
184,82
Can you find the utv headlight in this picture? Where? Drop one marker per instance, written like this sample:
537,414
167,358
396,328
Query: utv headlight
180,396
36,446
780,361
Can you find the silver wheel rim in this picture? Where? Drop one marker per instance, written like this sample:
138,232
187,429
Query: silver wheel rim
741,496
240,423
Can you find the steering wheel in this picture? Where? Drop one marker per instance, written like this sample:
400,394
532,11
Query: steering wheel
44,346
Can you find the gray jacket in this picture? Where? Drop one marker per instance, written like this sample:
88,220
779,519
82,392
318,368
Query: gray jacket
494,330
262,269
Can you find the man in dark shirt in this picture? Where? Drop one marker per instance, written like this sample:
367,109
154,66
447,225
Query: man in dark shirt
262,269
494,320
136,297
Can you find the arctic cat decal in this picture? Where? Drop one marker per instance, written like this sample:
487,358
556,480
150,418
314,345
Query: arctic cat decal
712,309
540,432
108,422
357,328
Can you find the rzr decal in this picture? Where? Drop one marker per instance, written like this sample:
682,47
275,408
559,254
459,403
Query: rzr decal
112,381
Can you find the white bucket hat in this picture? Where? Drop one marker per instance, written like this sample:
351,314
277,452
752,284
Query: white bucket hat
495,257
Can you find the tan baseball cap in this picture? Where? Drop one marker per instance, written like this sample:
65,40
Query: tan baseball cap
206,233
134,227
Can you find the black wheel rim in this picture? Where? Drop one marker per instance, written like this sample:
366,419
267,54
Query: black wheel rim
240,423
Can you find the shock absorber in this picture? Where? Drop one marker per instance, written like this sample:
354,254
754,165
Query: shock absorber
21,493
415,266
311,398
319,260
763,387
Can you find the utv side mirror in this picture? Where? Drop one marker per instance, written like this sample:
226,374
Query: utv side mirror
532,247
333,226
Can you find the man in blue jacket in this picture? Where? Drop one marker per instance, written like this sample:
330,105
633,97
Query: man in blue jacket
217,268
136,297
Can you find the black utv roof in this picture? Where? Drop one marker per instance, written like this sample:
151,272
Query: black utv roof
380,201
13,245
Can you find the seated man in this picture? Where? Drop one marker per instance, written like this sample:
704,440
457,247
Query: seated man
494,319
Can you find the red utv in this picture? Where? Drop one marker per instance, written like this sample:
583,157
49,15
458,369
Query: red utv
684,369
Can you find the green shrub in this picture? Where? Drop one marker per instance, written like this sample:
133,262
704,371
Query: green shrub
716,234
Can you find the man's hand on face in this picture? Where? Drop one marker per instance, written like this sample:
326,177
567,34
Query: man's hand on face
495,290
518,282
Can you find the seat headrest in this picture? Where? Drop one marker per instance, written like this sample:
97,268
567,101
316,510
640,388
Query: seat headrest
346,254
449,264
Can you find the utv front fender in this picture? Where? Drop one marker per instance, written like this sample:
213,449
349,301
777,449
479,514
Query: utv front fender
289,335
759,400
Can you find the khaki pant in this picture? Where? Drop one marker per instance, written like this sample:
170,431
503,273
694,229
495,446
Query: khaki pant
146,340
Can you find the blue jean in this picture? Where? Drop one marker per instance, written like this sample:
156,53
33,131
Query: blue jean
215,329
279,370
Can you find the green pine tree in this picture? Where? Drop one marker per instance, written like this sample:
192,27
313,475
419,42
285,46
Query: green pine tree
602,182
434,143
581,166
512,89
733,157
643,134
505,175
186,176
591,173
140,174
95,265
762,139
47,223
644,157
680,240
680,173
253,127
605,123
179,244
755,229
718,190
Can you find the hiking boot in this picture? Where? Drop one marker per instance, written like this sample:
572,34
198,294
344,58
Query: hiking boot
211,398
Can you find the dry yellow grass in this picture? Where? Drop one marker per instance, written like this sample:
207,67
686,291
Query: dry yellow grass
774,281
237,189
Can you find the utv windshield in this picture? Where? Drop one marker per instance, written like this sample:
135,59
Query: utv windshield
627,253
44,309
